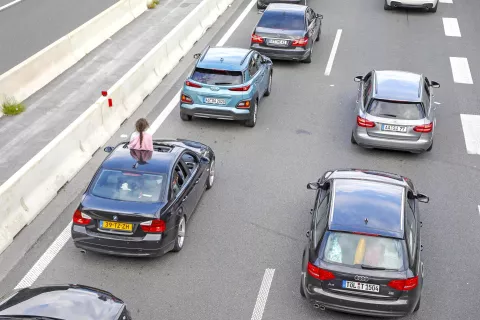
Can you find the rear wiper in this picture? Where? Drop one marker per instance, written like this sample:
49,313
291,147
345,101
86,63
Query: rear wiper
388,115
366,266
219,83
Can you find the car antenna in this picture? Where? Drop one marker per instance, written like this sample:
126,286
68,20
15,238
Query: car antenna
366,220
135,166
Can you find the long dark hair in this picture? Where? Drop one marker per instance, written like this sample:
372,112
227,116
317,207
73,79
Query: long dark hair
141,125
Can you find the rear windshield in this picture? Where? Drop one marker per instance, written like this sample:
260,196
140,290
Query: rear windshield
396,110
128,186
369,251
217,77
282,20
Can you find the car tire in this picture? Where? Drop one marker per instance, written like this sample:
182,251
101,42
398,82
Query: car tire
431,147
253,118
386,6
319,33
302,291
180,238
352,139
417,307
185,117
269,87
211,175
434,9
309,58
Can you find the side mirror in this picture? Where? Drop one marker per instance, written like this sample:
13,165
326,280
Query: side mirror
435,84
197,55
313,186
108,149
319,16
422,198
358,78
204,160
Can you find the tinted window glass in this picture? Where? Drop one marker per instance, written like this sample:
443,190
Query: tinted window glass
354,249
252,68
397,110
217,77
321,218
282,20
411,231
128,186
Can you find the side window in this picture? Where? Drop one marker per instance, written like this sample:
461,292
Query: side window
310,16
191,161
427,86
252,67
411,231
179,178
367,89
258,60
321,217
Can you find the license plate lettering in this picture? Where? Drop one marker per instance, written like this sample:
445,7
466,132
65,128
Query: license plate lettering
360,286
122,226
278,42
215,101
387,127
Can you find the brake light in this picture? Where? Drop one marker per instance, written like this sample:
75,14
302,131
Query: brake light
244,88
153,226
424,128
186,99
300,42
191,84
319,273
364,123
243,104
256,38
404,284
81,218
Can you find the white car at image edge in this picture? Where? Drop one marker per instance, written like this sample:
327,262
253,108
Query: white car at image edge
430,5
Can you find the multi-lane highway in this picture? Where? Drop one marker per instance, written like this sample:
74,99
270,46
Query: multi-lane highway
256,215
29,26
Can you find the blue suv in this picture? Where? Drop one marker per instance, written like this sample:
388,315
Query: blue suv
226,83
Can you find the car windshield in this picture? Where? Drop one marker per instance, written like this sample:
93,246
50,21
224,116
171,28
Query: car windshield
129,186
396,110
282,20
364,251
217,77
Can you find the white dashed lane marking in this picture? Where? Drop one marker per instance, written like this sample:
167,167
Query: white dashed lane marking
328,69
263,294
461,70
471,131
450,25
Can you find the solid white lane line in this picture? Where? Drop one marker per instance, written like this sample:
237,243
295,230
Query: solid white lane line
45,259
471,132
62,239
328,69
461,70
478,209
446,1
8,5
450,25
263,294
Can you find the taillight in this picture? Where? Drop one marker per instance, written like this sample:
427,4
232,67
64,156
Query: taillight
244,88
256,38
186,99
319,273
424,128
404,284
153,226
191,84
362,122
300,42
243,104
81,218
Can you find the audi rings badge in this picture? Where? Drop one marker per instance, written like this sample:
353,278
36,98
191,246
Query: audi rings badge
361,278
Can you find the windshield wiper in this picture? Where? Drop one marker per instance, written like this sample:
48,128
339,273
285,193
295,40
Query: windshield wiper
388,115
366,266
219,83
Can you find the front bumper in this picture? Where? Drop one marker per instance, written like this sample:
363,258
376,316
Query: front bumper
223,113
152,245
265,3
297,54
363,139
413,3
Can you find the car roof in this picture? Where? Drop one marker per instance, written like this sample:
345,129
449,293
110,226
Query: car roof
224,58
286,7
367,206
63,302
398,85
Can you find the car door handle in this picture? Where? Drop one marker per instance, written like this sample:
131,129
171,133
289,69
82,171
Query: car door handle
183,200
197,181
308,234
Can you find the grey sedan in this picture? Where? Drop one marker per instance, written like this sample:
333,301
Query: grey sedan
395,110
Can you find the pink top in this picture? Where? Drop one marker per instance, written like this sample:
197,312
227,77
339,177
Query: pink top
147,141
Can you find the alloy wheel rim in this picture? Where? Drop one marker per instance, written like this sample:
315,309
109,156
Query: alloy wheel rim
181,233
270,84
211,176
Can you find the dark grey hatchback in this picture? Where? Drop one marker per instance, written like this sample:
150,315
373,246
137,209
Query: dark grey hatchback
364,250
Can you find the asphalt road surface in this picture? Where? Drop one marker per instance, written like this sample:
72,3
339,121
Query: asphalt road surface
251,225
31,25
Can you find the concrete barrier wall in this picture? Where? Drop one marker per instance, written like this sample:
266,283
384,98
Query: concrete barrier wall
29,190
31,75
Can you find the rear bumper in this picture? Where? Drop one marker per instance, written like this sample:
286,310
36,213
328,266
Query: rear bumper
205,111
296,54
150,245
363,139
428,4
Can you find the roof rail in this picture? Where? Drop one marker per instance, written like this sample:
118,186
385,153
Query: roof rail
204,53
420,85
243,60
374,74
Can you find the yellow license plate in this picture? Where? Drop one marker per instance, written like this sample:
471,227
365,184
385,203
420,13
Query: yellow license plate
117,225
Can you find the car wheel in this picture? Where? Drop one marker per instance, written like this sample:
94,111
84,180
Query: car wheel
318,35
302,292
181,231
434,9
269,88
185,117
253,117
211,174
431,147
352,139
417,307
386,6
309,58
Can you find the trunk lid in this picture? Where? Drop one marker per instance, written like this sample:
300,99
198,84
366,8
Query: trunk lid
279,38
391,128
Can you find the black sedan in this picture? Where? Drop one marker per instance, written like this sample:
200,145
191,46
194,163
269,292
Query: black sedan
287,32
68,302
139,202
364,250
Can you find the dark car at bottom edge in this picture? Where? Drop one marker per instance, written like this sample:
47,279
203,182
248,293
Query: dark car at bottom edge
64,301
364,250
139,202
